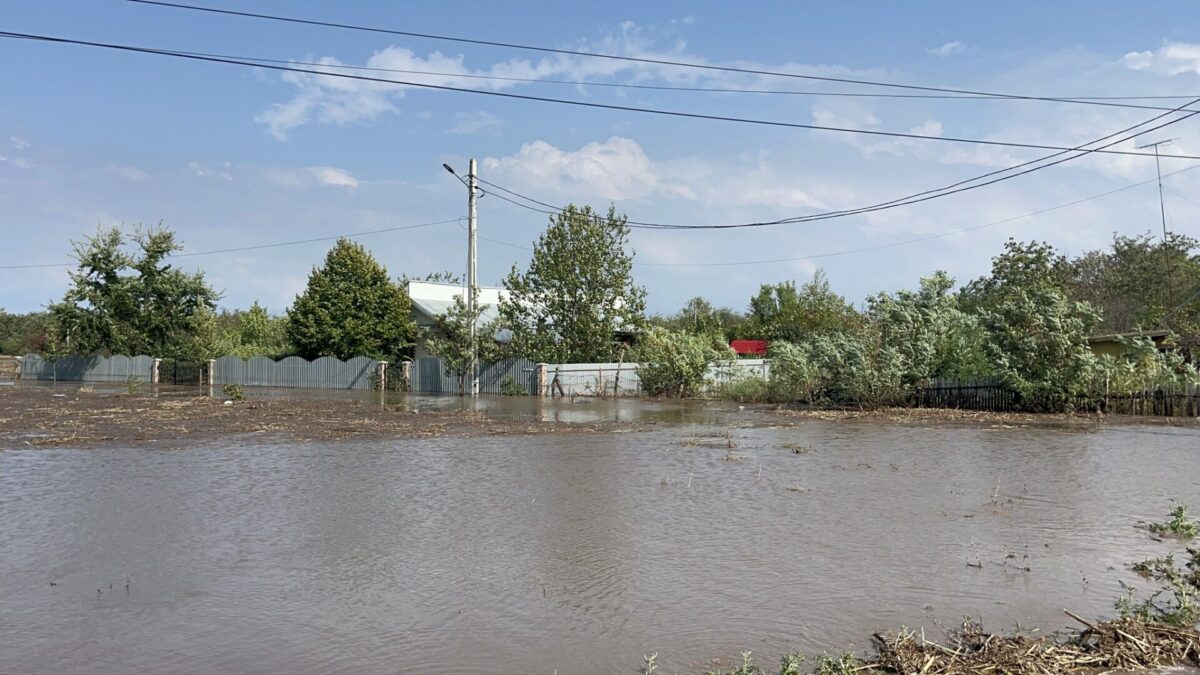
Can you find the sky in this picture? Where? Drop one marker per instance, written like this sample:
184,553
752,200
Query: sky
231,156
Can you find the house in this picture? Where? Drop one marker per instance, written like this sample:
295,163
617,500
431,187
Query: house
432,300
1115,344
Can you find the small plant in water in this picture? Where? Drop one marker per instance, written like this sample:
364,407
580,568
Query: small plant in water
790,663
132,384
510,387
1180,592
234,391
1178,526
845,664
747,667
651,663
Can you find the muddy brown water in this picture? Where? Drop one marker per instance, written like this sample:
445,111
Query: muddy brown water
567,553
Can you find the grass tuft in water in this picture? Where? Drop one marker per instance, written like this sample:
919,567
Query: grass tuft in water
1178,526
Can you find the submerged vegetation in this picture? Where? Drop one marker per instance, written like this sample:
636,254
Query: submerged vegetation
1179,524
1160,630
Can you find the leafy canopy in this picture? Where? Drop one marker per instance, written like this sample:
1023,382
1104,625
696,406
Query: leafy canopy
350,308
578,292
129,302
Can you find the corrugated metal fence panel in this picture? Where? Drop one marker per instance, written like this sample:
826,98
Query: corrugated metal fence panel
621,379
739,369
493,375
594,379
116,368
327,372
429,376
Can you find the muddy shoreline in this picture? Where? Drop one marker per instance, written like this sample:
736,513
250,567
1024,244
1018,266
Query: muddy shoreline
80,416
90,416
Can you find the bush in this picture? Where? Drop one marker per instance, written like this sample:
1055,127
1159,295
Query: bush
674,364
839,368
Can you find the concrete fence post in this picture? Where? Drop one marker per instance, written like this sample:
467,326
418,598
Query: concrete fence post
541,379
212,373
154,377
406,374
382,370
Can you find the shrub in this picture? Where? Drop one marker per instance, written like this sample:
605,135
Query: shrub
674,364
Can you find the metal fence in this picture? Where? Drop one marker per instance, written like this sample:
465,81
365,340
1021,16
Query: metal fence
622,379
429,376
968,395
115,368
326,372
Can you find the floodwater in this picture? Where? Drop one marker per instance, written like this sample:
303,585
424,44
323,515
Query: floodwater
567,553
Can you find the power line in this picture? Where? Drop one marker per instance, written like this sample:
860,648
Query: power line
894,244
960,186
571,102
668,87
600,55
349,235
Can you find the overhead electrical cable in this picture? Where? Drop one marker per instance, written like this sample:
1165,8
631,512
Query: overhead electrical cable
572,102
690,89
601,55
954,188
905,242
348,235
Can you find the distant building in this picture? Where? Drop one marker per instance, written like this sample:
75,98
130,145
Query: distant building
1115,344
432,300
755,348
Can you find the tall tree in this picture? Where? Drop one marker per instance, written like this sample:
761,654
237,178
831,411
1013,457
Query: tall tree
783,312
1023,266
350,308
123,302
578,291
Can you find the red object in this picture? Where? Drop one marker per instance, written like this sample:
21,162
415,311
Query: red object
749,347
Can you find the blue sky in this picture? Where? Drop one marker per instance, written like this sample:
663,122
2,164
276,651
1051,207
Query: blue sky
231,156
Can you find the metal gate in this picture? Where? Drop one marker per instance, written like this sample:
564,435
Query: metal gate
511,376
181,371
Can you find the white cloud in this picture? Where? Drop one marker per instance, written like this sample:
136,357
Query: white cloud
327,175
616,169
476,123
19,162
202,171
342,101
948,49
18,142
1173,58
309,177
619,169
130,173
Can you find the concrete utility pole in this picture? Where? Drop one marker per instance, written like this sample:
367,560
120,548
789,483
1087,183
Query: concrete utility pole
472,290
1162,209
472,281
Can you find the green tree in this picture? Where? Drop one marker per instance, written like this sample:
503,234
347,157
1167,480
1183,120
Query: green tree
674,364
350,308
1037,344
781,312
450,339
578,292
1023,266
932,334
1142,282
130,303
23,333
700,317
259,334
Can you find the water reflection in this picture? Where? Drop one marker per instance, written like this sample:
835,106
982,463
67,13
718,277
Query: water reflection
575,552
